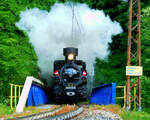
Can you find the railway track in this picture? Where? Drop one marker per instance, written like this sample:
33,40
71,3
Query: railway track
61,113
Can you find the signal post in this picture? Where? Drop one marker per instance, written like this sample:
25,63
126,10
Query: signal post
134,54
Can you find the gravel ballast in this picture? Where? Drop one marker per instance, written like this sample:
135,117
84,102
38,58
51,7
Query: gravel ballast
89,114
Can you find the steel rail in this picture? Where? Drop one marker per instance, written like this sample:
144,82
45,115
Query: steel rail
66,116
38,116
50,115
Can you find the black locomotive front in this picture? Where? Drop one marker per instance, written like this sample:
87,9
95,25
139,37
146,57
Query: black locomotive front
70,78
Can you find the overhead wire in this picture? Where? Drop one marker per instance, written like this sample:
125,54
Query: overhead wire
74,17
72,21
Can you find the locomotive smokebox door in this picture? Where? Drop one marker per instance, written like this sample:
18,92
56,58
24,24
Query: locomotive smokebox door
70,53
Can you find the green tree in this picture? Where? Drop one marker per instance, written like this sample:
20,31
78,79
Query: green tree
17,56
145,38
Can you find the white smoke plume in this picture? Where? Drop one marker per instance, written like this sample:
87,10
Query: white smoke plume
50,32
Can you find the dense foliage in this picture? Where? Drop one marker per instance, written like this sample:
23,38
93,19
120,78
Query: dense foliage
145,91
18,59
146,40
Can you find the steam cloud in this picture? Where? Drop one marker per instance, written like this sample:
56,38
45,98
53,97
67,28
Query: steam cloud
50,32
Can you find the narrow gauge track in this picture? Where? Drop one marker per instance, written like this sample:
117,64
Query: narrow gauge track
62,113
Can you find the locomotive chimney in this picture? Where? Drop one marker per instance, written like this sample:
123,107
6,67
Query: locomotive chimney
70,53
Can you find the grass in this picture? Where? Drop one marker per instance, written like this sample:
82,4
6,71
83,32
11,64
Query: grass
5,110
135,116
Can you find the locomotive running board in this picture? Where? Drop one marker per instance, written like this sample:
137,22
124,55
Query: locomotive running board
25,92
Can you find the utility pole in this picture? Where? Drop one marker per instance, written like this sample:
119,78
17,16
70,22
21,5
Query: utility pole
134,52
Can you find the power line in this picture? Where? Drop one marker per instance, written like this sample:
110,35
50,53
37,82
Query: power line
74,17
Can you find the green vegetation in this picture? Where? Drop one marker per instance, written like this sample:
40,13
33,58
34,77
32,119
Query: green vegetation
145,37
145,91
17,55
135,116
4,109
18,59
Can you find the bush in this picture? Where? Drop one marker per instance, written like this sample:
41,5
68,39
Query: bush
145,93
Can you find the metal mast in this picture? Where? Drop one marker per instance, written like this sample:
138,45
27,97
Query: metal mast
134,51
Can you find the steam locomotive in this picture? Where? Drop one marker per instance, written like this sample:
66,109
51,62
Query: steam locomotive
70,77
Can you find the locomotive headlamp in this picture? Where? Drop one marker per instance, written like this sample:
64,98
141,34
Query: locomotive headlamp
70,56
